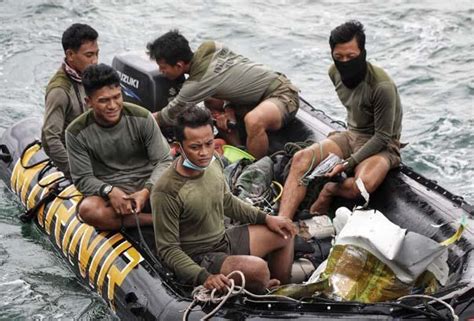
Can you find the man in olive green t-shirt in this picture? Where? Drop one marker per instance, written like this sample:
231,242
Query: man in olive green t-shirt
116,152
263,100
370,146
189,202
64,99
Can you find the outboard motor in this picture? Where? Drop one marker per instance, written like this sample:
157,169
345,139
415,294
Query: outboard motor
142,82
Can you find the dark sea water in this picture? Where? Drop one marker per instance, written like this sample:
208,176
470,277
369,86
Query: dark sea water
426,46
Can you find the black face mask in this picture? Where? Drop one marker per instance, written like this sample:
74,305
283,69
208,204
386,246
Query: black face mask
352,71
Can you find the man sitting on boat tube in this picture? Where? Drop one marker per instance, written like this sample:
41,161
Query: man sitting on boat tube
189,202
65,95
116,153
370,146
262,99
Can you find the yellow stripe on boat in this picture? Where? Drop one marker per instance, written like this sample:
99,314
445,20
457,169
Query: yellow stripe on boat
117,276
56,204
99,255
86,250
28,176
108,262
63,216
457,235
67,235
76,237
18,168
31,201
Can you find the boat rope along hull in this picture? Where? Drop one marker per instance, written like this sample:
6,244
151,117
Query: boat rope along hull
106,262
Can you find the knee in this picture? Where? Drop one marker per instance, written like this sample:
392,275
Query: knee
253,123
302,160
370,186
89,212
259,275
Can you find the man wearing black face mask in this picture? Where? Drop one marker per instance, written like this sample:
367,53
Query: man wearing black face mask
370,146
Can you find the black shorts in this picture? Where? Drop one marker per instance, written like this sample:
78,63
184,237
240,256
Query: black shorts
235,242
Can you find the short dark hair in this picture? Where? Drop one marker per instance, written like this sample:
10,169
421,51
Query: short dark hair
172,47
76,35
192,117
95,77
346,32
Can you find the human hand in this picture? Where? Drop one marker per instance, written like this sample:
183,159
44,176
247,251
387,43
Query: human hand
118,201
217,281
339,168
138,199
226,120
281,225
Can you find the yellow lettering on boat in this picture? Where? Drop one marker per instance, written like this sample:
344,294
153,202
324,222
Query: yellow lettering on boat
18,169
40,215
31,201
108,262
76,237
56,204
62,217
28,176
117,276
86,249
100,253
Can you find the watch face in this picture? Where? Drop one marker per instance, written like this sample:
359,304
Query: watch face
107,190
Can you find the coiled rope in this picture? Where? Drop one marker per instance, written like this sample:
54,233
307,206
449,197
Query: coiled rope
201,294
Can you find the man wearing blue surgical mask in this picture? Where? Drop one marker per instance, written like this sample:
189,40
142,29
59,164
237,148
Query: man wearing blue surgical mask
189,203
370,146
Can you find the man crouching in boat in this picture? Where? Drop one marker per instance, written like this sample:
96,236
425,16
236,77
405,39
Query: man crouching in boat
263,100
370,146
116,153
189,203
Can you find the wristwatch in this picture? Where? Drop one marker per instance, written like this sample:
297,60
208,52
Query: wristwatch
105,191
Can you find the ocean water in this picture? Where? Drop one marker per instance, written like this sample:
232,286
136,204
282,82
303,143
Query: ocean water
425,46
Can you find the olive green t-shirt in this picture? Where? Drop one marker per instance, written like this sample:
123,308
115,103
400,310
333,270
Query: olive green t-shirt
218,72
188,217
62,105
130,155
373,107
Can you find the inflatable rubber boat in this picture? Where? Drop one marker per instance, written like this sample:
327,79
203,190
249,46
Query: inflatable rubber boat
121,268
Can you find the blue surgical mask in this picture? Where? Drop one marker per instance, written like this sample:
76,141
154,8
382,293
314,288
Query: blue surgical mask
188,164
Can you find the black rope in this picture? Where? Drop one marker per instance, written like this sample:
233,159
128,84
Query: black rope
31,213
36,142
143,243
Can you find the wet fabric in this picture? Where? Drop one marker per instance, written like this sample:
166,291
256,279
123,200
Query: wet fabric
254,183
374,260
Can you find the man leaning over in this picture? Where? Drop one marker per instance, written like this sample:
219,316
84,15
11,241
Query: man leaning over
262,99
